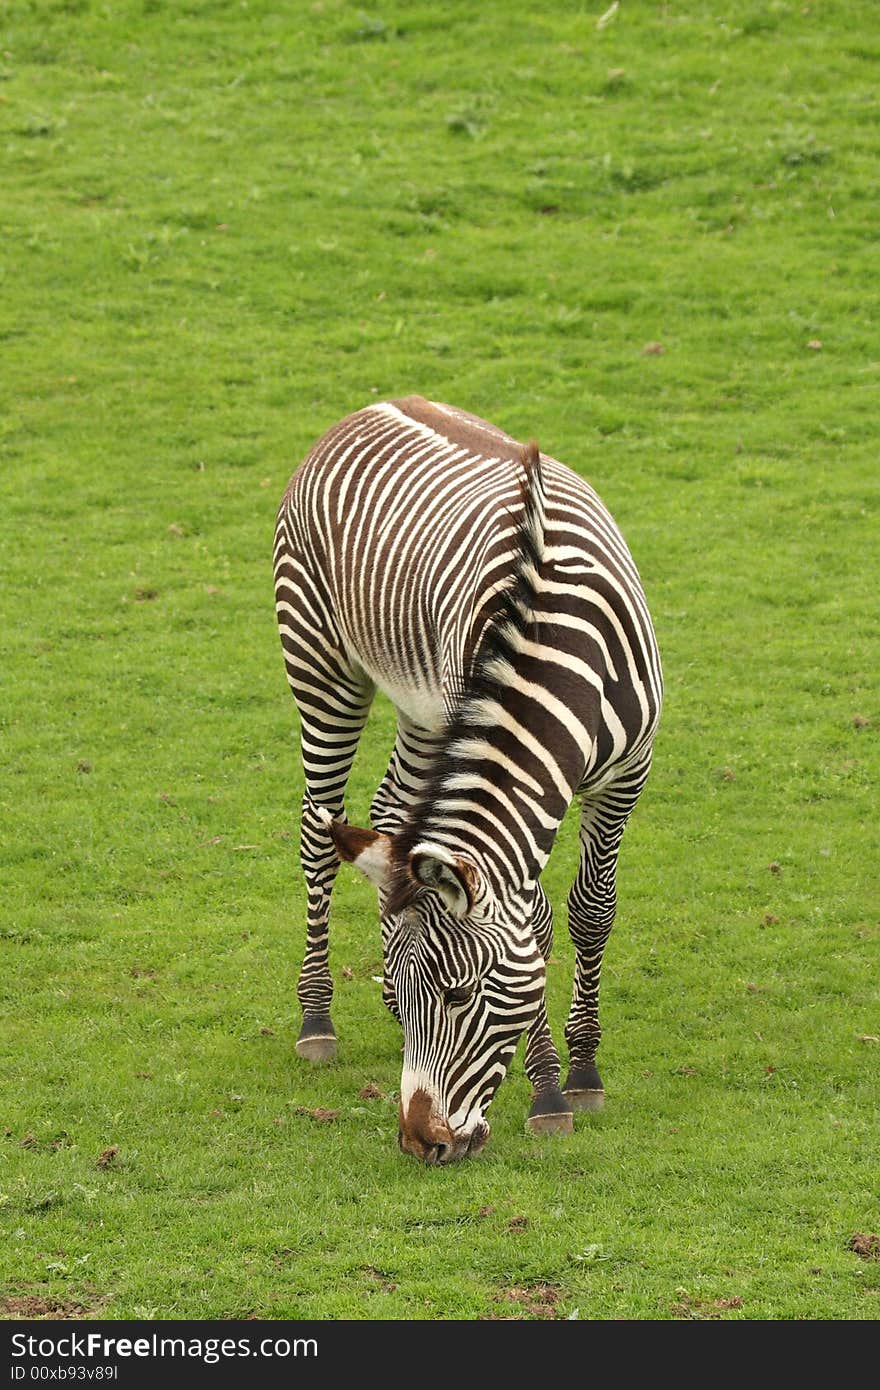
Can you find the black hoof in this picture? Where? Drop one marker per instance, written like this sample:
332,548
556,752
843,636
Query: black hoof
317,1040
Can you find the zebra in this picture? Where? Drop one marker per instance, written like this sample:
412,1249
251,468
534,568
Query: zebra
485,588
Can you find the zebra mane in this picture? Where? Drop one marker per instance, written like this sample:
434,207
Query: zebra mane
497,644
514,603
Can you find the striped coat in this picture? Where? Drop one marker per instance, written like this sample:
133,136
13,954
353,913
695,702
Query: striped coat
487,591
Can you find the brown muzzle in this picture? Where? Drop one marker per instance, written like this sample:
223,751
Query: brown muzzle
421,1132
424,1134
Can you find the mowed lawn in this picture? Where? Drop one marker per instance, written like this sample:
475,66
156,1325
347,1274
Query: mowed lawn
647,238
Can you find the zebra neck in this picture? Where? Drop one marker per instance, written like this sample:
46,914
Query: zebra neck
501,785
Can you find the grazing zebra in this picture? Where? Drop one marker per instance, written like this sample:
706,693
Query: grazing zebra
486,589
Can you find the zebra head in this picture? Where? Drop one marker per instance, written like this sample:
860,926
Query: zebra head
467,979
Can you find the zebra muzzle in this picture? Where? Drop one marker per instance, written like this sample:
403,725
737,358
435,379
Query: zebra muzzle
425,1135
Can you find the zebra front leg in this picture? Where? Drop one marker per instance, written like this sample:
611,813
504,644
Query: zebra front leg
412,758
386,814
389,997
550,1111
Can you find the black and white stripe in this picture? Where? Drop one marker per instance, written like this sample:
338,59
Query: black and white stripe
486,589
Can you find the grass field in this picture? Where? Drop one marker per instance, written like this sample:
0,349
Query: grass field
649,239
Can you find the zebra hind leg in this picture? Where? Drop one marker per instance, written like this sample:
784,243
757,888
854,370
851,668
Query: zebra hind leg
317,1036
592,904
550,1111
327,762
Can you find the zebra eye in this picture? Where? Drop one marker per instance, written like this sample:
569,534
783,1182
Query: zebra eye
460,995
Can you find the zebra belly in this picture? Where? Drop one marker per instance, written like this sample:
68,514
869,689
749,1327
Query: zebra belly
422,703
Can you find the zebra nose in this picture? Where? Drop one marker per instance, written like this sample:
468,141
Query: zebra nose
432,1153
422,1133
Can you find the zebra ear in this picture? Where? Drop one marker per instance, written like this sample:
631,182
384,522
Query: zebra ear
368,850
455,879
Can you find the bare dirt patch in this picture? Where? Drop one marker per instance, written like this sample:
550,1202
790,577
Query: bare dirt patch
698,1309
530,1301
323,1116
383,1281
867,1247
30,1305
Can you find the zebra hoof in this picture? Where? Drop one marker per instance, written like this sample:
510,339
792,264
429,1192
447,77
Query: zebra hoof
583,1089
560,1122
585,1100
550,1114
317,1041
317,1049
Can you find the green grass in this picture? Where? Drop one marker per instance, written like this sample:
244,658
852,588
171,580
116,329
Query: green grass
223,227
